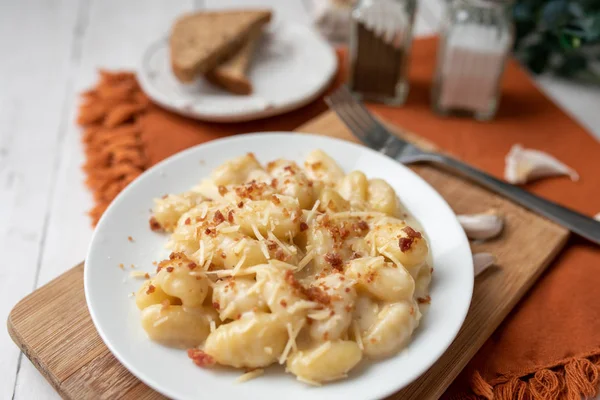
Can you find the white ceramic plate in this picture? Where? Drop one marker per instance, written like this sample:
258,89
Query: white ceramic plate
291,67
169,371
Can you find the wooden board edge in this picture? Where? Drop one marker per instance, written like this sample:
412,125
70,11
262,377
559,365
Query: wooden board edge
13,332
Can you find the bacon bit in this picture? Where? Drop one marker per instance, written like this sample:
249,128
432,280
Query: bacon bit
310,183
280,255
331,313
274,183
285,212
192,265
344,233
200,358
348,308
210,232
222,190
411,233
230,216
130,238
218,217
405,244
326,336
154,225
188,221
362,225
147,275
347,290
334,260
275,200
170,269
311,293
240,204
303,226
271,245
283,303
150,289
309,321
238,316
121,266
216,305
342,278
424,300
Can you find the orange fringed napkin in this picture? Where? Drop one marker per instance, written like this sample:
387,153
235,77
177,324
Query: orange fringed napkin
549,347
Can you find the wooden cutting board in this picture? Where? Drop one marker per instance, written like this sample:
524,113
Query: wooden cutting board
53,328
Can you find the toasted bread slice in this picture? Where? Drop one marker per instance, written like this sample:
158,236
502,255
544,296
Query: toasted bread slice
231,75
201,41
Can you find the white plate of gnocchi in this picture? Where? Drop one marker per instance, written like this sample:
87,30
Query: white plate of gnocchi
278,265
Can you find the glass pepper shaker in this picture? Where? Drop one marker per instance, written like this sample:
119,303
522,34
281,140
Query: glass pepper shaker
475,43
380,41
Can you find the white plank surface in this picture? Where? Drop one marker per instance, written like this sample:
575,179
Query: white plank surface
55,48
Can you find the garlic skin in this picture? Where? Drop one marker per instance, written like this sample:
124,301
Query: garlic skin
481,226
482,261
525,165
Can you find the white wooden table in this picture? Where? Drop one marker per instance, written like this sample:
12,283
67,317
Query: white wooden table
50,52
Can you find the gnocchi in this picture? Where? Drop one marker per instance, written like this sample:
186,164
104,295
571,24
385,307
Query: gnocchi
297,264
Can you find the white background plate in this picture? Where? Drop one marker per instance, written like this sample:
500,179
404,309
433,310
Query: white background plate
291,67
170,371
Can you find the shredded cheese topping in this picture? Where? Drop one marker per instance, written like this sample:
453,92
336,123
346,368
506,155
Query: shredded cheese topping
250,375
312,212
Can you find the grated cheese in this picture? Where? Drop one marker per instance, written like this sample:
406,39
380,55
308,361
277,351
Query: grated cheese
256,287
275,292
213,325
357,335
319,351
291,343
160,321
204,211
239,265
308,381
306,259
284,247
264,250
320,315
257,233
201,259
196,273
312,211
138,274
230,229
301,305
250,375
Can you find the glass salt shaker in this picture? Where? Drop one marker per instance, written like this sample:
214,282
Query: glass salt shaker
475,43
380,41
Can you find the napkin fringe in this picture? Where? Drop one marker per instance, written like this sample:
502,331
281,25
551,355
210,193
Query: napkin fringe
114,153
574,379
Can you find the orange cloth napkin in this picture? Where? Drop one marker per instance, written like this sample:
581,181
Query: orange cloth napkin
549,347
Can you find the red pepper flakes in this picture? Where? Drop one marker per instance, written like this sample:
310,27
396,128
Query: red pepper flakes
275,200
303,226
240,204
188,221
170,269
218,218
216,305
222,190
192,265
230,216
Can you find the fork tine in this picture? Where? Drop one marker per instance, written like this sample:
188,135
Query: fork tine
341,105
361,111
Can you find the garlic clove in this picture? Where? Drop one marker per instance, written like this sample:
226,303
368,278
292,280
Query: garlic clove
481,226
597,217
482,261
525,165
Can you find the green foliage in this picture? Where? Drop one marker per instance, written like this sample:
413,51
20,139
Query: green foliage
560,36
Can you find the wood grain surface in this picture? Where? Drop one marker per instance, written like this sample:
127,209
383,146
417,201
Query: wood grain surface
53,327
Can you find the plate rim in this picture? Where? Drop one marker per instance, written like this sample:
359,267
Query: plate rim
155,94
448,339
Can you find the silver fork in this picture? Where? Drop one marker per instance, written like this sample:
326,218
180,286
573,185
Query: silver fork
373,134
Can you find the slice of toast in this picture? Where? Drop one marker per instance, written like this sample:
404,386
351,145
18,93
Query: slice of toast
201,41
231,75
